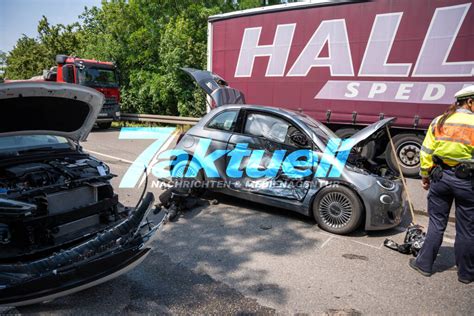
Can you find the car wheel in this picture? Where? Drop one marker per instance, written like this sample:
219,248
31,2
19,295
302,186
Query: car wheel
368,151
338,209
104,125
407,149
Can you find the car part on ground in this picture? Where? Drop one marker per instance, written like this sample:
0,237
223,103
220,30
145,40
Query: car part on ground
175,201
414,239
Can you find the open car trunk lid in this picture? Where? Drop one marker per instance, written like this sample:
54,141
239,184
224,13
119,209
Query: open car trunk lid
215,87
40,108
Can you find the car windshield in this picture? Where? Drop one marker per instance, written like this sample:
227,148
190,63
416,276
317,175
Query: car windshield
323,133
97,77
20,143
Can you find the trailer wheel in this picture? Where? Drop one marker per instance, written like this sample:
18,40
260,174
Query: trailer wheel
407,148
368,151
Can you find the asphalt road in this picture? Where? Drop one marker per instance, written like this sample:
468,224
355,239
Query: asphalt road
241,257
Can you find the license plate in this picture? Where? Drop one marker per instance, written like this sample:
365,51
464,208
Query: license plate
102,114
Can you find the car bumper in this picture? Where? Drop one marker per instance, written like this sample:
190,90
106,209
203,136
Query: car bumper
97,260
109,113
384,208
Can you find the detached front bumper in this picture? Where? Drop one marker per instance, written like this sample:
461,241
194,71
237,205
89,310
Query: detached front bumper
384,208
97,260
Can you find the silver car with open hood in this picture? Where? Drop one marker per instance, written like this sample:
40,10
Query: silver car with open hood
62,228
357,192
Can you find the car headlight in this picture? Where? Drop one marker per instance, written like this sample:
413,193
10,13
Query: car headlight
106,168
386,184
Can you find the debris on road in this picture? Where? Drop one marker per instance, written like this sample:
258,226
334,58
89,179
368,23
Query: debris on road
414,239
175,201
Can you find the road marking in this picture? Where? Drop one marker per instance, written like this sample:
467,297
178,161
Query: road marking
109,156
332,236
326,242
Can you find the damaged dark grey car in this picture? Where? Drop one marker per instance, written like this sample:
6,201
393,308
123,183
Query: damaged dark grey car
361,192
62,228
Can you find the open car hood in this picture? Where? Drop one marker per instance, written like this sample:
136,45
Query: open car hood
39,108
368,134
215,87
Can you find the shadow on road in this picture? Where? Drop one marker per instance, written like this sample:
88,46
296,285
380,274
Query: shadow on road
158,287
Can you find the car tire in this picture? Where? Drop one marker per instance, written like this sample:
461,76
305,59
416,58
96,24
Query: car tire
368,151
407,147
338,209
104,125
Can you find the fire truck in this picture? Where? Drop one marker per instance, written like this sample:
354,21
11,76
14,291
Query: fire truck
351,63
100,75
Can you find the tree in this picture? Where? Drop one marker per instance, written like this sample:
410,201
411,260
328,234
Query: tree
148,40
59,38
31,56
3,64
27,59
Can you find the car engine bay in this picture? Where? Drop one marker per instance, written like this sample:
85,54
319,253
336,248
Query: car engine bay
46,203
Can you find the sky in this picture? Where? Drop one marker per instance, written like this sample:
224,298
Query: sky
19,17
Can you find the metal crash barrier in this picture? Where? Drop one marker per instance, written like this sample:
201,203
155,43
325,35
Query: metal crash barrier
178,120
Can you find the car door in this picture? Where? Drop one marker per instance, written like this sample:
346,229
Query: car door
264,141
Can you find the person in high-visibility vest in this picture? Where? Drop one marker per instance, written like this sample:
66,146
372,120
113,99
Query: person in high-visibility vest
447,170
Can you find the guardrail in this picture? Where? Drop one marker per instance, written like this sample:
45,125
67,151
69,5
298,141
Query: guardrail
178,120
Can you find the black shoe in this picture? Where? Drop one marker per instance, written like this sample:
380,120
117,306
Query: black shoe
412,264
464,281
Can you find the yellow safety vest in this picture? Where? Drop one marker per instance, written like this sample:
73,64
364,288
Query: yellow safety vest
452,143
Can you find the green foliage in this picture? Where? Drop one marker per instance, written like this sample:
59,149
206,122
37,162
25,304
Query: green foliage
27,59
31,56
3,64
148,40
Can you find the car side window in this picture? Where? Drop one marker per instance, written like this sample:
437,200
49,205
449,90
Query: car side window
270,127
224,121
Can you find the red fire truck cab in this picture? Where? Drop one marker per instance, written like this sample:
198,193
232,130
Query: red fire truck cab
100,75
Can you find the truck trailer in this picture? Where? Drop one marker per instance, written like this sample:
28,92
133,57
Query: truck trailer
351,63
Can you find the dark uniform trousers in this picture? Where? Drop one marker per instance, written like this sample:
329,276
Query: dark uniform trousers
440,198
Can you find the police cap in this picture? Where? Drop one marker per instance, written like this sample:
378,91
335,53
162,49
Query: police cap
465,93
